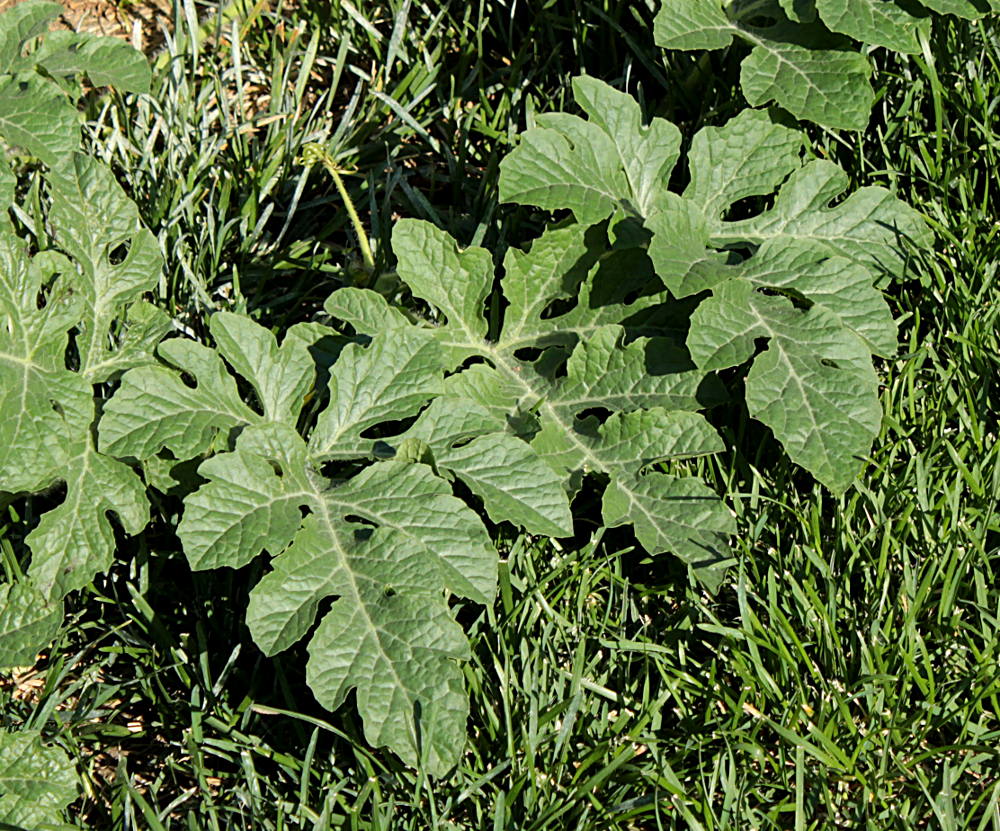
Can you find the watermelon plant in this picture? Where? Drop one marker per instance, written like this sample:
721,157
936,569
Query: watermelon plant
805,54
73,318
799,274
39,73
358,460
369,456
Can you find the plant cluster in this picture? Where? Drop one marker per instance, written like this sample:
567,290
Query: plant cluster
370,460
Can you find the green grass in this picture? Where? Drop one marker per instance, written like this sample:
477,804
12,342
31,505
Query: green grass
846,677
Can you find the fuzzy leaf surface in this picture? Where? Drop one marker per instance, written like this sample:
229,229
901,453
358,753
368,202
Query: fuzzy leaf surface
47,401
38,89
824,253
37,782
28,622
342,514
803,54
544,409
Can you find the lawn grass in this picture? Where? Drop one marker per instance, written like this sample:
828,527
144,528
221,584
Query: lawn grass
845,677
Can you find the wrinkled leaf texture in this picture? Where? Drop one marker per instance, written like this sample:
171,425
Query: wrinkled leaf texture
38,88
345,509
798,276
37,782
47,382
802,51
591,357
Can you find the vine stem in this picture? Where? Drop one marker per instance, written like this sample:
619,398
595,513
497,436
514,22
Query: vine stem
312,153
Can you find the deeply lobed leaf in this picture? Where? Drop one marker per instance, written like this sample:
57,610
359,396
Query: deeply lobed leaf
813,384
47,394
802,54
548,407
347,506
38,85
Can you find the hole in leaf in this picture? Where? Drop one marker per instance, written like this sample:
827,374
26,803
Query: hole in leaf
528,354
360,520
600,413
389,591
472,360
797,300
383,450
830,364
361,529
749,206
388,428
276,467
739,254
559,307
117,255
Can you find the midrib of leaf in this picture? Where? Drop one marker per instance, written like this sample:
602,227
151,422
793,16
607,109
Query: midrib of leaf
104,314
80,464
777,343
614,197
24,411
361,449
322,507
754,235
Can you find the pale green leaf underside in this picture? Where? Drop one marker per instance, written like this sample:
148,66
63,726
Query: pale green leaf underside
513,482
8,185
389,380
37,782
878,22
75,540
676,513
37,113
969,9
824,86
